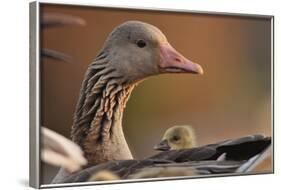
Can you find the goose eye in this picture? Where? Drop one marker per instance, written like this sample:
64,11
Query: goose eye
176,138
141,43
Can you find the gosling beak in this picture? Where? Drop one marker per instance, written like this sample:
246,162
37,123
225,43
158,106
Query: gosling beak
173,62
162,146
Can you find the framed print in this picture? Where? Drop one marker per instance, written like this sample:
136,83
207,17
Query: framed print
126,94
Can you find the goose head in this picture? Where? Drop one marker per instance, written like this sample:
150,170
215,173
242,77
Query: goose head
137,50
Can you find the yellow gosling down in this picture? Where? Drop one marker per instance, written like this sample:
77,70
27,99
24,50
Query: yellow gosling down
104,175
163,172
177,137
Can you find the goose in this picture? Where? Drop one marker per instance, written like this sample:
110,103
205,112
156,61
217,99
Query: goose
134,51
177,137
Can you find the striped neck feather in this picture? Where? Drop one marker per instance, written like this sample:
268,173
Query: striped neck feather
98,116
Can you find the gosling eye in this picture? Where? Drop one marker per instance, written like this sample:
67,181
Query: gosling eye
175,138
141,43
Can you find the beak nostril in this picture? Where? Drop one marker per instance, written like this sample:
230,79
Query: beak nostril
177,60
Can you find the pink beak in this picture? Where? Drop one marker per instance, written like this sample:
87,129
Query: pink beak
173,62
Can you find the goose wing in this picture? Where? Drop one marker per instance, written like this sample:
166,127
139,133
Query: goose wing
230,156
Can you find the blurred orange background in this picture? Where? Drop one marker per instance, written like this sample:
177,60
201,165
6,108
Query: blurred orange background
231,99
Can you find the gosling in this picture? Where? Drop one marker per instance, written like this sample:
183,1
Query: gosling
104,175
163,172
177,137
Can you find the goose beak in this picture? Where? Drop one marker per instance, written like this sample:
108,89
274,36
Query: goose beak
162,146
173,62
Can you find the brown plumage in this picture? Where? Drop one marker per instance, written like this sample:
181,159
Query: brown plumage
133,52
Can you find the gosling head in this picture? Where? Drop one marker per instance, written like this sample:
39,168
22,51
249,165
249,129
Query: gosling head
177,137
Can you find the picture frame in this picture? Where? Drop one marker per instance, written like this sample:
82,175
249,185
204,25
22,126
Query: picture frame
36,74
